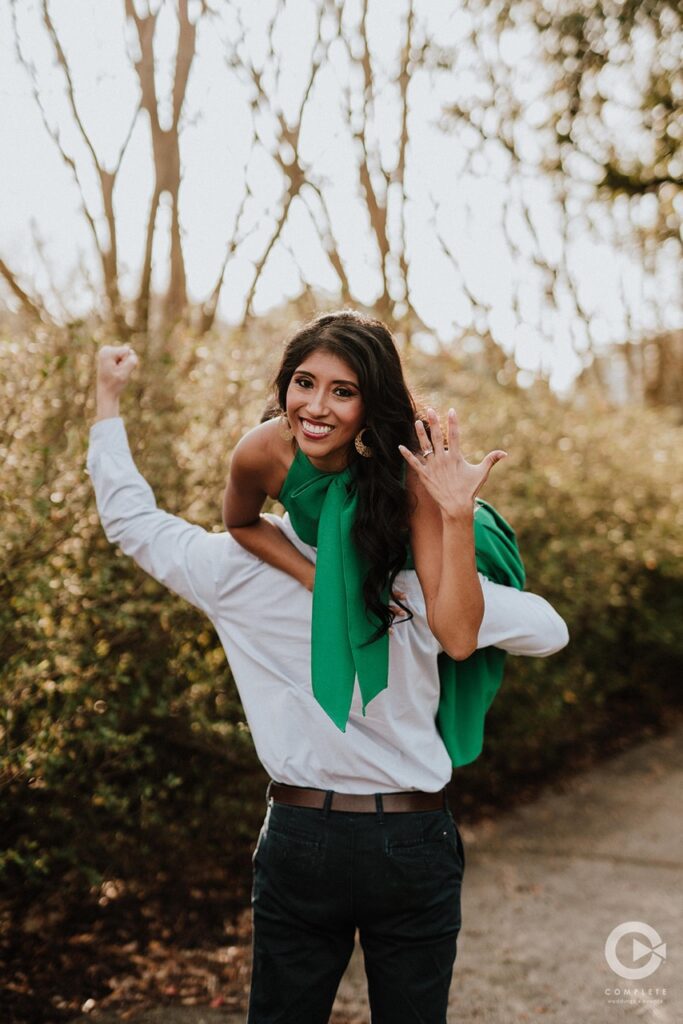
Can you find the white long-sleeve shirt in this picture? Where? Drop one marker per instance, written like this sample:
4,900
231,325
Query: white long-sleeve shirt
263,619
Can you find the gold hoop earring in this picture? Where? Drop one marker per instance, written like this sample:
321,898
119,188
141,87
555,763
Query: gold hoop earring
362,448
285,429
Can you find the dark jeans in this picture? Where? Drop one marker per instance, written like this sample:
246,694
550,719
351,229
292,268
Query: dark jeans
320,876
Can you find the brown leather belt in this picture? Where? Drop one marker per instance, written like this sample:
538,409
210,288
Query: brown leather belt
359,803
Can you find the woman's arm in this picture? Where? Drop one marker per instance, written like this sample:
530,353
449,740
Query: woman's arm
265,541
444,486
255,472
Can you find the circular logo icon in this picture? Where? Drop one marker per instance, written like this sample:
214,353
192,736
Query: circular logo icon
656,949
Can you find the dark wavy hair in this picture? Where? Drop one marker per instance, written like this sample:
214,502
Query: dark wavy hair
381,529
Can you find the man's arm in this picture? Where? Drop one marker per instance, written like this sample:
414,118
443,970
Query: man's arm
183,557
519,622
514,620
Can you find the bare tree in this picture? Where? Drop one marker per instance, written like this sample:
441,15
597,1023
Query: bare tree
286,149
104,238
28,304
374,177
604,65
379,185
165,146
560,137
165,151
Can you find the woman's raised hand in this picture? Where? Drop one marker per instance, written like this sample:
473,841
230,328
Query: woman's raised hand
115,363
449,479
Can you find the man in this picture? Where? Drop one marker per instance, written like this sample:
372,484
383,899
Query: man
357,835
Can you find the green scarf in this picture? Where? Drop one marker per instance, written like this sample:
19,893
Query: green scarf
322,509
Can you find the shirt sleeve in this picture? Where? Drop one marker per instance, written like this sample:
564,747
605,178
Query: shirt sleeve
519,622
185,558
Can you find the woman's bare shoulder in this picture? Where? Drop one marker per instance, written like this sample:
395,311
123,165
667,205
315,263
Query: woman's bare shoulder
263,455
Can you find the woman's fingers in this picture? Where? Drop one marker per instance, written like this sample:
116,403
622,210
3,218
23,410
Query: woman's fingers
453,479
411,459
435,430
487,464
422,438
492,458
453,433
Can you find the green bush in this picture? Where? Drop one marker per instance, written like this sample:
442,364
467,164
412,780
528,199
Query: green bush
123,749
595,496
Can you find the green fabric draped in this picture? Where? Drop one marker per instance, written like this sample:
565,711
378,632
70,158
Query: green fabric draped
469,687
322,508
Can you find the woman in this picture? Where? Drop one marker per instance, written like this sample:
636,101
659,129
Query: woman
363,483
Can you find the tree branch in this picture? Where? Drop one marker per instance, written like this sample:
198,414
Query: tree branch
28,304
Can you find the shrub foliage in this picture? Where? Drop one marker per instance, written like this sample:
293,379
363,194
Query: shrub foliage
123,748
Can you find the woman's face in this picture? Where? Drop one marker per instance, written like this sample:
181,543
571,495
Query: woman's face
325,409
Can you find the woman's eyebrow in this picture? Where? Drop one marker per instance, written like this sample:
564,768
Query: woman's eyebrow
307,373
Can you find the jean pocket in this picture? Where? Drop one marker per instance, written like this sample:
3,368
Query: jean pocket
433,851
295,855
294,838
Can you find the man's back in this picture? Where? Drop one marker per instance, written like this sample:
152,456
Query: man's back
263,618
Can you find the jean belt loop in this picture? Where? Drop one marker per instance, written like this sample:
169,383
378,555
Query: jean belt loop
445,799
268,796
329,793
379,805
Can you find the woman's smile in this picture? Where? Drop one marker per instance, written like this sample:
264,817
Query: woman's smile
315,429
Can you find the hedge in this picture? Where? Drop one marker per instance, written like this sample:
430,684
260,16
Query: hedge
123,748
